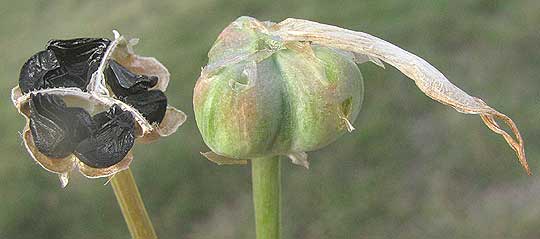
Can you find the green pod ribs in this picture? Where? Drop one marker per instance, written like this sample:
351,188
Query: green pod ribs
259,96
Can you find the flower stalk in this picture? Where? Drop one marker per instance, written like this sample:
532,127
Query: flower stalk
132,206
266,180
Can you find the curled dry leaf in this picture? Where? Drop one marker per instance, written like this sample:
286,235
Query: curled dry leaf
86,100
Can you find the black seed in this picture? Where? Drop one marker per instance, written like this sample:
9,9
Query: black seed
57,129
86,126
79,58
133,90
78,49
112,140
65,63
151,104
32,75
123,82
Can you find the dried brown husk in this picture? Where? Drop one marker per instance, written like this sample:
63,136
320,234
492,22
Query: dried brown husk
99,98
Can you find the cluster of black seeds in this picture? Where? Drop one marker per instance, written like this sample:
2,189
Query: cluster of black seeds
134,90
99,141
64,63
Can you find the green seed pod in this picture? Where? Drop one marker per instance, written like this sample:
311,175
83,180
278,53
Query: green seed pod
290,87
261,97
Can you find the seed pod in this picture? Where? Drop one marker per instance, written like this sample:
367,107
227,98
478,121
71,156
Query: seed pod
62,86
280,99
263,79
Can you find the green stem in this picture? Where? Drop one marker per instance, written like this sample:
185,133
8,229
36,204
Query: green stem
132,206
266,177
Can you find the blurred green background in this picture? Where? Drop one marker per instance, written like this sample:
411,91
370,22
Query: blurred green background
412,169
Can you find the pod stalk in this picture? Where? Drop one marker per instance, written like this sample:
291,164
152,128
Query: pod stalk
266,180
132,206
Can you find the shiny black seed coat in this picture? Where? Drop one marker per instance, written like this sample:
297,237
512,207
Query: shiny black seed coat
151,104
134,90
123,82
111,141
57,129
33,72
65,63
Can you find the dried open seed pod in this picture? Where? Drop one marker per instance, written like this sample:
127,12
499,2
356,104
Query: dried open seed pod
291,87
88,100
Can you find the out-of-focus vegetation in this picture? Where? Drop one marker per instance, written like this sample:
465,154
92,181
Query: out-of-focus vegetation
412,169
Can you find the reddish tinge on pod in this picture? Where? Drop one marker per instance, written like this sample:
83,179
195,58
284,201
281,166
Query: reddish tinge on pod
291,87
